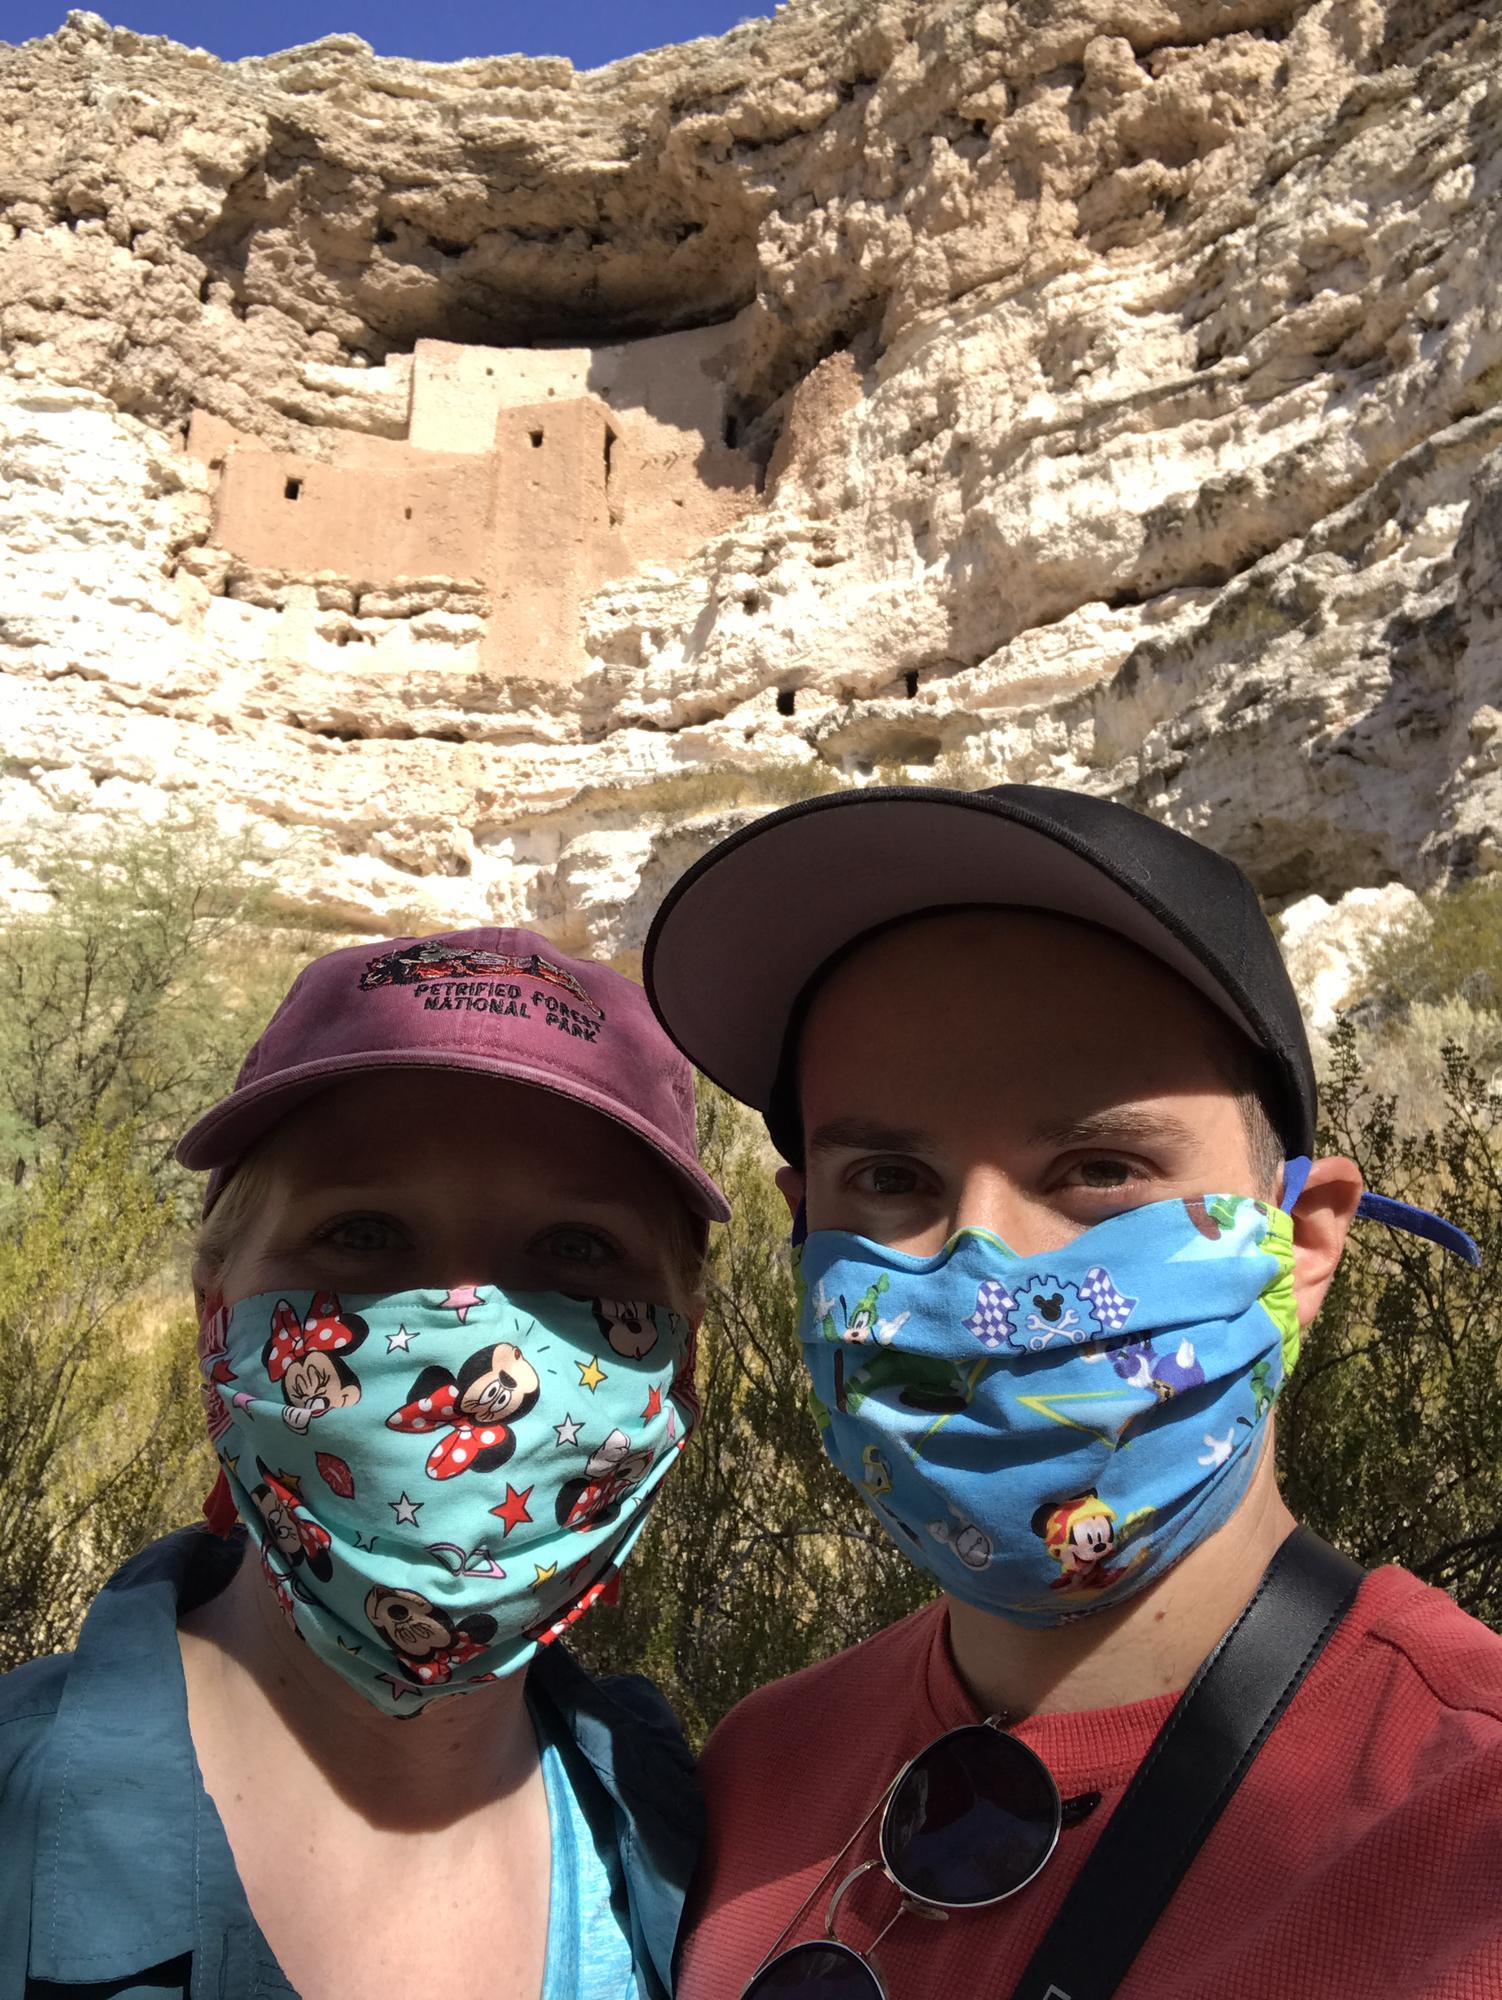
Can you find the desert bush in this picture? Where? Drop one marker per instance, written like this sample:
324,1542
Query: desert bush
1433,983
101,1443
131,1000
127,1008
1456,953
1410,1051
1390,1430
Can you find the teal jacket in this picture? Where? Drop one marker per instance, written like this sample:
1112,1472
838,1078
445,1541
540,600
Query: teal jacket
116,1879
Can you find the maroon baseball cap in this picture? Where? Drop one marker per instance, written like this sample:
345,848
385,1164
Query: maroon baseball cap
490,1002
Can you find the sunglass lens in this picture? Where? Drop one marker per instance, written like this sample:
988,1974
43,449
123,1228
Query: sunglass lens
973,1819
820,1971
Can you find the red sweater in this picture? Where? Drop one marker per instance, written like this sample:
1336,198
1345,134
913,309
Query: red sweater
1362,1855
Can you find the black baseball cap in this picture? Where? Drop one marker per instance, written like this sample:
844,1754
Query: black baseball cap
745,938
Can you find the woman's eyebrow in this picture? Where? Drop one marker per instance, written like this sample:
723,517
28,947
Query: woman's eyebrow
1120,1124
342,1194
862,1135
595,1194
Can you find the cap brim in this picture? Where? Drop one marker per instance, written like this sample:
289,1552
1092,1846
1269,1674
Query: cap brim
741,935
227,1132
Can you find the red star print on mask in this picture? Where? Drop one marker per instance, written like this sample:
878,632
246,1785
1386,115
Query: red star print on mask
654,1406
513,1509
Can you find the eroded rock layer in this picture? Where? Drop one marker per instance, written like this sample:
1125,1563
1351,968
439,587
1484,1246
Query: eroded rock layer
1107,392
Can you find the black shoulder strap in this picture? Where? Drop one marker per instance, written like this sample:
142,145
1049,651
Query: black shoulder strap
1200,1755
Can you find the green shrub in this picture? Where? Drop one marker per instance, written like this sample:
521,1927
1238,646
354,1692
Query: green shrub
102,1446
1390,1430
133,998
1457,953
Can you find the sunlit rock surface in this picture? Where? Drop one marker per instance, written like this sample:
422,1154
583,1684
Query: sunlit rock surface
1106,393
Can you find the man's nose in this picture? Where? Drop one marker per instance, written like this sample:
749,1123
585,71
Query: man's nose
989,1196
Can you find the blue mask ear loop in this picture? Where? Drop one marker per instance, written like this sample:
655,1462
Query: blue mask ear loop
1395,1214
800,1224
1295,1173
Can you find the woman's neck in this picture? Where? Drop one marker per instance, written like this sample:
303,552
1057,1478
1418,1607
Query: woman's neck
251,1678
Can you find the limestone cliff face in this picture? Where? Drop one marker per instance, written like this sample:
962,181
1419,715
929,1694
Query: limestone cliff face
1106,392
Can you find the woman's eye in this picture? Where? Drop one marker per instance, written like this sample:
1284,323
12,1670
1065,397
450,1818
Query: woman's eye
573,1245
891,1178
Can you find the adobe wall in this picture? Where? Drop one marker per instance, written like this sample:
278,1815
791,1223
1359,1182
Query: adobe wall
553,540
676,380
677,482
279,510
538,473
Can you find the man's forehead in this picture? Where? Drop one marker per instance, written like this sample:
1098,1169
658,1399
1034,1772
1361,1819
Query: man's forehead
1040,1029
1121,1124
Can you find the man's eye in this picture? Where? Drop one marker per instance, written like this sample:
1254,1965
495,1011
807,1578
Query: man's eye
1105,1174
572,1244
892,1178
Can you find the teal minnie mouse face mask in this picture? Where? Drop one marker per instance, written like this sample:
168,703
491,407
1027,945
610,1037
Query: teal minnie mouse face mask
438,1483
1046,1435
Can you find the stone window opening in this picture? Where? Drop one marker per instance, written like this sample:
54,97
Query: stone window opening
785,700
536,440
406,513
732,432
292,490
612,510
910,682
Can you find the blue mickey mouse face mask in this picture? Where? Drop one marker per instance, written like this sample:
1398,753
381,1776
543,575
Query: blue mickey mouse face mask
1047,1435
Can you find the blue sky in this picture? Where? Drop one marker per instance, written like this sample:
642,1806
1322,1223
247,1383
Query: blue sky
588,32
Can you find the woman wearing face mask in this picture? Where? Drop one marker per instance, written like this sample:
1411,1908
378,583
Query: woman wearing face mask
327,1743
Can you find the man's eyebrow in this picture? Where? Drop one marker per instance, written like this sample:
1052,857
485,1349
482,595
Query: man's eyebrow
1120,1124
862,1135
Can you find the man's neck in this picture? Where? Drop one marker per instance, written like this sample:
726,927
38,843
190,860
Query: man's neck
1151,1646
251,1678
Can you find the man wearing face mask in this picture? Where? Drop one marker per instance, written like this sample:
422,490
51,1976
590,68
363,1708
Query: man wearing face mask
1047,1106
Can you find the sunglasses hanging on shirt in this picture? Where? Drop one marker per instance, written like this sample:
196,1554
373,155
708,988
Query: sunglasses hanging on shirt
970,1821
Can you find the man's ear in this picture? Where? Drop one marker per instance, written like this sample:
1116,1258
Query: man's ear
1322,1216
790,1187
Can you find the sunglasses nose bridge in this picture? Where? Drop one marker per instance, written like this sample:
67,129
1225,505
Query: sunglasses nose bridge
914,1906
847,1885
907,1902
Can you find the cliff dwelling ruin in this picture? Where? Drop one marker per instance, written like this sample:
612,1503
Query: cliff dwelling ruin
480,483
530,476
